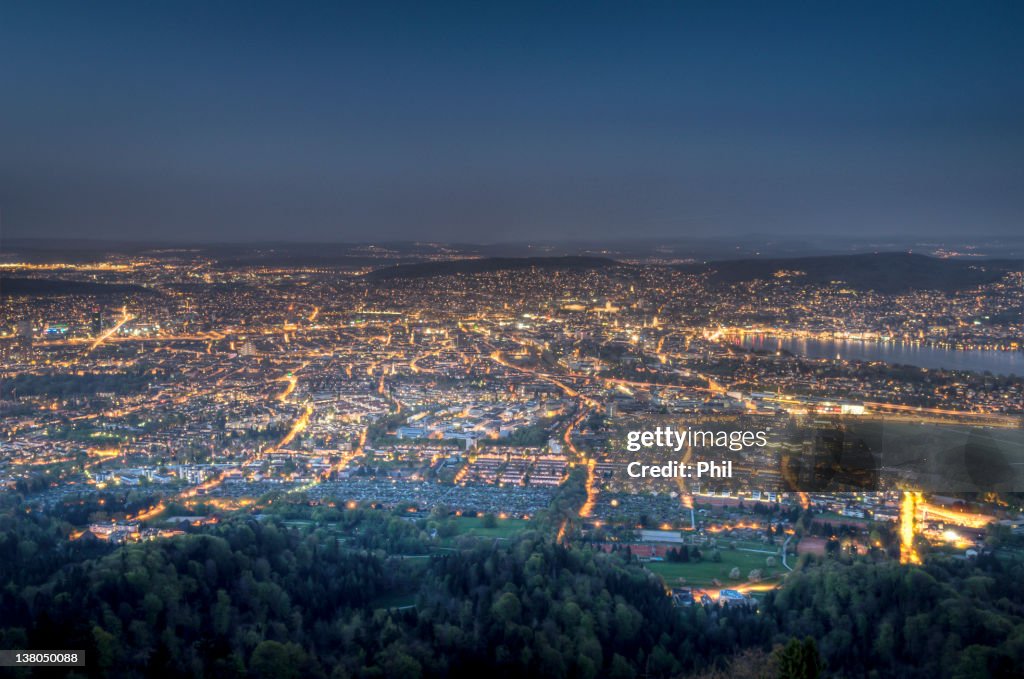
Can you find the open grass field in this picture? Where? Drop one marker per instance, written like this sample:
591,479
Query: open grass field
701,573
755,545
505,528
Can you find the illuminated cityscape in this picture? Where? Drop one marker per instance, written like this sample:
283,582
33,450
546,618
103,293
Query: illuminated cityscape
413,340
174,385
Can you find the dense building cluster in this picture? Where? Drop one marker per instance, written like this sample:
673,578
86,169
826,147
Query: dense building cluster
221,387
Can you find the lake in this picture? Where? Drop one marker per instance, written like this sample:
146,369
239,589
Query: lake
996,362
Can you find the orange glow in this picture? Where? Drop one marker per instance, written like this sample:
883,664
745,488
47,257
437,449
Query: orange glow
149,513
908,507
561,532
292,382
951,516
299,425
125,317
588,507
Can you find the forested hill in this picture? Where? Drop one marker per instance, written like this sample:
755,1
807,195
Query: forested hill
256,599
266,598
886,272
489,264
14,287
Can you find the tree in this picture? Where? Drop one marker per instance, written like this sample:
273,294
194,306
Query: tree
799,659
274,660
752,663
106,647
620,668
885,642
507,608
222,613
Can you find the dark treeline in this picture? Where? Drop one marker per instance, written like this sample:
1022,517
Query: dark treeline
951,618
257,598
254,599
65,385
48,287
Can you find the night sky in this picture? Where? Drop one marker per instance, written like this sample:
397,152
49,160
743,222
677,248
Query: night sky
484,123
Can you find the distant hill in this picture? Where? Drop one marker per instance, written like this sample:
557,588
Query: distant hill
48,287
487,265
886,272
302,260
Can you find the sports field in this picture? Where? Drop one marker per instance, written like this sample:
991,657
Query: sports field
701,573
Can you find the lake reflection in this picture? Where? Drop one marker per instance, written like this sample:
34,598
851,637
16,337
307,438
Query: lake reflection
996,362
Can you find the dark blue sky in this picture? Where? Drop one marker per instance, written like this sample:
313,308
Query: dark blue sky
490,121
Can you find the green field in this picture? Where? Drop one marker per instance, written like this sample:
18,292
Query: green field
756,545
701,573
475,526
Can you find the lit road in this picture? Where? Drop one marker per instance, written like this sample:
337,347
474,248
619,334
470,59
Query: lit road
125,317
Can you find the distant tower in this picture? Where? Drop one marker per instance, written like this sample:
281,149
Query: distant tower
25,332
248,349
97,321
